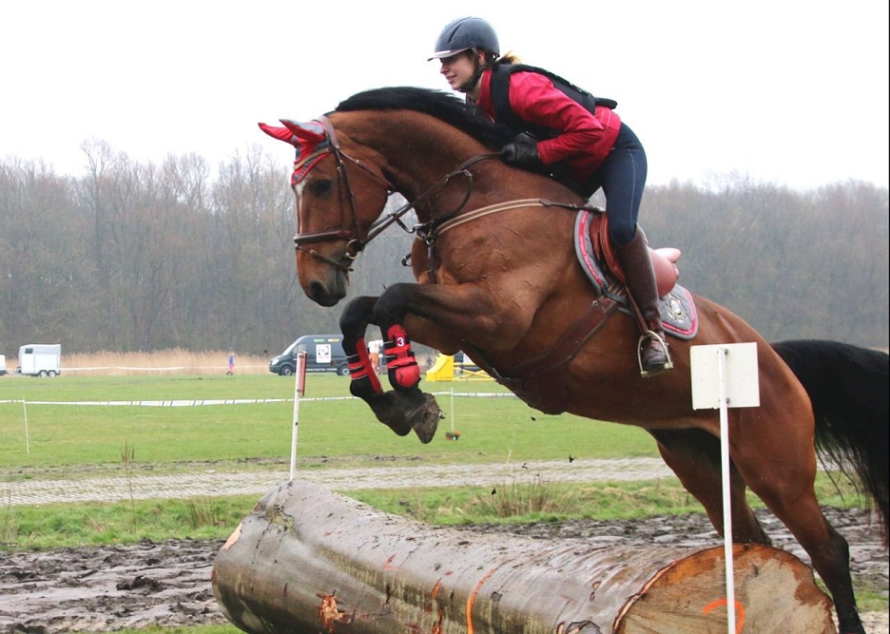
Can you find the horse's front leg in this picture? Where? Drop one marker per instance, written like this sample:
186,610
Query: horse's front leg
387,406
462,311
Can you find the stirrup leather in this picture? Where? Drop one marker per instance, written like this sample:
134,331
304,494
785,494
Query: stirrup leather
668,365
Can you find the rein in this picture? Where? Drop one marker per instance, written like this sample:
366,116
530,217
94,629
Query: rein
395,216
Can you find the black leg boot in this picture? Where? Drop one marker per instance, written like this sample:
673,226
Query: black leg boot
635,260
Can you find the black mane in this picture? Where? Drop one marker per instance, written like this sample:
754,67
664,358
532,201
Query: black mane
444,106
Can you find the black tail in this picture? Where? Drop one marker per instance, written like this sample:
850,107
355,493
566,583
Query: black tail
848,387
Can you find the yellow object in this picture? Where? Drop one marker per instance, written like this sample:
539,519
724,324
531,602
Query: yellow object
442,370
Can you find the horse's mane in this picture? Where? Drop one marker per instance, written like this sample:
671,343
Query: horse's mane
463,116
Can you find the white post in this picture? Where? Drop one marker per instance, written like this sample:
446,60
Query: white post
27,435
452,409
727,503
299,390
721,379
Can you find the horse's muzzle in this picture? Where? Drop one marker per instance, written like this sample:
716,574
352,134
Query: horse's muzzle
325,295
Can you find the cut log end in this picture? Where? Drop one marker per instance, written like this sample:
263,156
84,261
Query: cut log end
774,592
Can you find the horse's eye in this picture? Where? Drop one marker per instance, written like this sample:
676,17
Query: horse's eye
320,187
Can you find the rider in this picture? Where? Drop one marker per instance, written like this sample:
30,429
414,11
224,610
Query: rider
560,127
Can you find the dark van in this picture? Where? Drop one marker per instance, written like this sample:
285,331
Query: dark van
324,353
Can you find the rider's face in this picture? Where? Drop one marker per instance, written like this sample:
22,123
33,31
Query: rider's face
458,69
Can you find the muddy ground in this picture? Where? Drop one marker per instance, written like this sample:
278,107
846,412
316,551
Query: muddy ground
168,584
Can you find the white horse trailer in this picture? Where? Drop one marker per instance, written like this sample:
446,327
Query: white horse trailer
40,359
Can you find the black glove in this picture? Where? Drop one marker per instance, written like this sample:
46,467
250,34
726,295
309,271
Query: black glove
522,152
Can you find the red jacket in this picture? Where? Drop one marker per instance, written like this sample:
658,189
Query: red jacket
585,140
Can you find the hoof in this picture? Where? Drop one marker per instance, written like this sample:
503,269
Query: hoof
387,410
425,419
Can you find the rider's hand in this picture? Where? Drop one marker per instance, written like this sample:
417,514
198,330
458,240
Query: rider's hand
522,152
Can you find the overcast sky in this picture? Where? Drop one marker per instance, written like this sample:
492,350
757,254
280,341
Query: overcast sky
789,92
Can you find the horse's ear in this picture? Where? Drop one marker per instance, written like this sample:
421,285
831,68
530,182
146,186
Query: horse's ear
282,134
311,132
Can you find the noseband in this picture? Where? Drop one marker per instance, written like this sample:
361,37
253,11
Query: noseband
357,237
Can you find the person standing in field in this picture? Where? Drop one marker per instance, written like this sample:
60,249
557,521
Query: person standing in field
231,371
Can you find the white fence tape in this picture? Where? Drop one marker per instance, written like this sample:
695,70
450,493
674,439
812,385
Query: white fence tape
238,401
180,403
176,369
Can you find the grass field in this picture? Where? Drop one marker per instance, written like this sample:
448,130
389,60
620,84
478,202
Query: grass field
70,440
129,521
68,435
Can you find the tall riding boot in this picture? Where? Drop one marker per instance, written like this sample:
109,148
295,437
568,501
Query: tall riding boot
652,349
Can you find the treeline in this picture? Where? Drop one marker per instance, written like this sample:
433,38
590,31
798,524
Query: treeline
132,256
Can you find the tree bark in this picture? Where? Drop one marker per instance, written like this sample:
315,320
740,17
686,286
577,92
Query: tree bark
307,560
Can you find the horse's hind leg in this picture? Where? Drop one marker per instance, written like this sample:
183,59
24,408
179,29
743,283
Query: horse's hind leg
779,463
694,456
828,550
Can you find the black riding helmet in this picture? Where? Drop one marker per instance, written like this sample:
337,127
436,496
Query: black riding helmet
463,34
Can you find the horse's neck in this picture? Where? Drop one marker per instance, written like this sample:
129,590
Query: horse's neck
418,150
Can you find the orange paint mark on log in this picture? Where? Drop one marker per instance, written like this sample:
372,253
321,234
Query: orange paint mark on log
471,600
387,565
428,608
232,538
437,627
329,612
740,611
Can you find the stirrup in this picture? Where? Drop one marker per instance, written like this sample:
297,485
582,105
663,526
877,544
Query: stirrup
668,364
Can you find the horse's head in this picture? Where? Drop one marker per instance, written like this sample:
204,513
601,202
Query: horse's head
339,194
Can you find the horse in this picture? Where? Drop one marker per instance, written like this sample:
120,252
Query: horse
498,278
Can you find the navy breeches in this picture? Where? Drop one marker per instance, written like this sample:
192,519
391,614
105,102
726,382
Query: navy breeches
623,178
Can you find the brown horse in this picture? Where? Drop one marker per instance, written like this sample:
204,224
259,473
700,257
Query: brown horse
498,278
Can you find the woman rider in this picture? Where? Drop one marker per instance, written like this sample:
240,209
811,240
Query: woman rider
561,127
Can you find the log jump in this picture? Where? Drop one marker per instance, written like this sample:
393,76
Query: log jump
310,561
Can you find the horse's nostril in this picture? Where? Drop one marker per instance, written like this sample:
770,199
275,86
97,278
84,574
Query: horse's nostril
322,295
318,292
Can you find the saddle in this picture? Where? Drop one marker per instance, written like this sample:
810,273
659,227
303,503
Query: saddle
597,257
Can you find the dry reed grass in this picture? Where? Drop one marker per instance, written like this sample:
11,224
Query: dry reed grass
160,362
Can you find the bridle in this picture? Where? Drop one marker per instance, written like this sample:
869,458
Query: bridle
357,238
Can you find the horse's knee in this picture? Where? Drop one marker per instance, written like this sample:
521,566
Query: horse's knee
355,317
392,305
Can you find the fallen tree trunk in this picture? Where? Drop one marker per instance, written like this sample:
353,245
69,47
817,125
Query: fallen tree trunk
307,560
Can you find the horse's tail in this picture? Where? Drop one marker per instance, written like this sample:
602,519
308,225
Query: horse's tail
849,391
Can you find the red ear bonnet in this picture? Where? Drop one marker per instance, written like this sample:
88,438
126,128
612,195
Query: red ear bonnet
310,139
